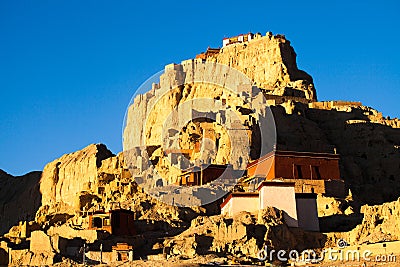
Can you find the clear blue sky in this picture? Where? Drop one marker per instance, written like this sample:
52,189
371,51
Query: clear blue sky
68,68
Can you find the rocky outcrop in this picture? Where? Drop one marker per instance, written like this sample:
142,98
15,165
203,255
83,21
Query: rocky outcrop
367,142
41,251
162,119
369,149
64,179
380,223
377,224
241,236
269,61
14,193
94,179
199,113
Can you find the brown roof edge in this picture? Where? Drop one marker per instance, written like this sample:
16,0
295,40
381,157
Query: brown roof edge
275,183
306,153
226,200
293,153
205,166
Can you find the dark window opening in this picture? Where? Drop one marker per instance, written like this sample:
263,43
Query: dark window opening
97,222
299,172
315,170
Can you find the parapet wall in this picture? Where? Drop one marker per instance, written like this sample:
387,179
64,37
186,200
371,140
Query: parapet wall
330,188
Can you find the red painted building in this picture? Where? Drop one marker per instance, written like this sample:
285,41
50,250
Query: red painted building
296,165
203,174
116,222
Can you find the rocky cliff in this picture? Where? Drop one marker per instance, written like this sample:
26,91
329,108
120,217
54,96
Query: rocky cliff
14,193
94,179
380,223
269,61
66,178
199,100
241,236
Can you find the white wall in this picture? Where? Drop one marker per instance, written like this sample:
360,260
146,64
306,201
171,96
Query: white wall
249,204
283,198
242,203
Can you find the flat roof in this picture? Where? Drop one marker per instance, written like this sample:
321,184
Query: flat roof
293,154
205,166
103,212
275,183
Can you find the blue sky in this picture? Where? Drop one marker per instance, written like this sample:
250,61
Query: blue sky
69,68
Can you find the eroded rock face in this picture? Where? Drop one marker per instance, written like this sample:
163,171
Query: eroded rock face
380,223
41,251
94,179
241,236
367,142
270,61
369,148
14,193
65,178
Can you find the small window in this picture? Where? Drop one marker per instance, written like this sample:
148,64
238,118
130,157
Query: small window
316,174
97,222
299,172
